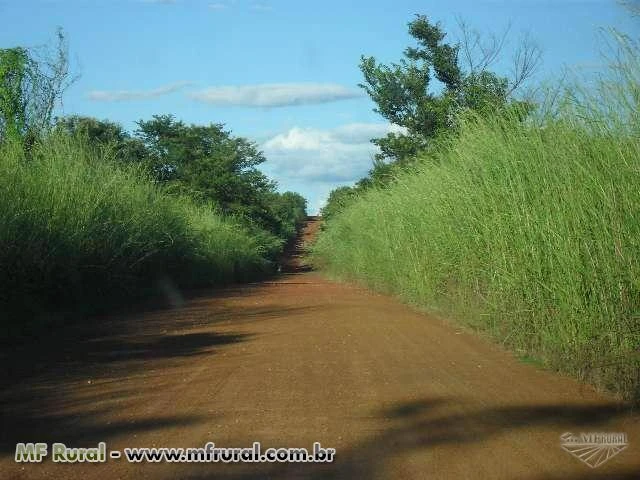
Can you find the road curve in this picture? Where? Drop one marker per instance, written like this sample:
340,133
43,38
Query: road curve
292,361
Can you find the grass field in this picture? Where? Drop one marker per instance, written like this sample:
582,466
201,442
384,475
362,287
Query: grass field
529,231
77,231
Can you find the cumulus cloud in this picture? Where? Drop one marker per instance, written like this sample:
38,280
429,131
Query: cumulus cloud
315,161
122,95
342,154
274,95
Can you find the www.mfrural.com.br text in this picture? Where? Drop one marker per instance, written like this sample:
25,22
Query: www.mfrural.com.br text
61,453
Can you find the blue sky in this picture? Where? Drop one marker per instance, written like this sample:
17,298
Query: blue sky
282,73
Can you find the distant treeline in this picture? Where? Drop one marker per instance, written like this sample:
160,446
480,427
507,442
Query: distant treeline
204,162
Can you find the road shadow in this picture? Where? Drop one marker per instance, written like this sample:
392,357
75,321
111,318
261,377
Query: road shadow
128,341
427,424
52,373
49,396
49,371
79,431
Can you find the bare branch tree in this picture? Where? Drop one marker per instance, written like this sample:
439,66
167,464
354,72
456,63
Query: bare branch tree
481,51
49,79
526,60
32,81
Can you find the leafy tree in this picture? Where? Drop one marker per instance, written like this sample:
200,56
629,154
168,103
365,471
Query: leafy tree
339,198
204,162
210,164
105,134
427,92
97,131
404,93
13,64
289,210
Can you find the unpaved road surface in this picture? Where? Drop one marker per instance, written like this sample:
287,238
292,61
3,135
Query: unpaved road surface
398,394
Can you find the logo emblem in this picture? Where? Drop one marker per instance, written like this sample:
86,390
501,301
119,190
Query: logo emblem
594,449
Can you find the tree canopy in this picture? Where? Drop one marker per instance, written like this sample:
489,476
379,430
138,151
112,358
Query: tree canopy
405,93
427,92
205,162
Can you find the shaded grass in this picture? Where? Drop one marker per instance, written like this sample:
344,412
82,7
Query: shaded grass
530,231
79,233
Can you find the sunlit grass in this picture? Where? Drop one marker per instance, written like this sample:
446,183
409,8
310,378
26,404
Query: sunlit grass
531,232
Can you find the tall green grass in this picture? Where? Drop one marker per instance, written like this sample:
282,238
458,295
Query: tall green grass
528,231
77,231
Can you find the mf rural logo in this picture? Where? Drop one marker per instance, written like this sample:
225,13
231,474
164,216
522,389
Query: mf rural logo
594,449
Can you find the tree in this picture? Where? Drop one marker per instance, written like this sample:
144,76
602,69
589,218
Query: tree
338,200
204,161
404,94
13,64
213,166
104,134
31,82
289,210
480,52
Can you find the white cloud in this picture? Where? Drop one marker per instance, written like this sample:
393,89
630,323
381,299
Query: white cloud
121,95
342,154
274,95
217,6
315,161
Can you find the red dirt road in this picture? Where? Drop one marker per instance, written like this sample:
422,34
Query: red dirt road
398,394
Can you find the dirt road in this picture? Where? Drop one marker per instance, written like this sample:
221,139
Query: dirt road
289,362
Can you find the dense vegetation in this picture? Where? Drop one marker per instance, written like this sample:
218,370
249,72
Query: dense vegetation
92,216
430,90
204,162
524,226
